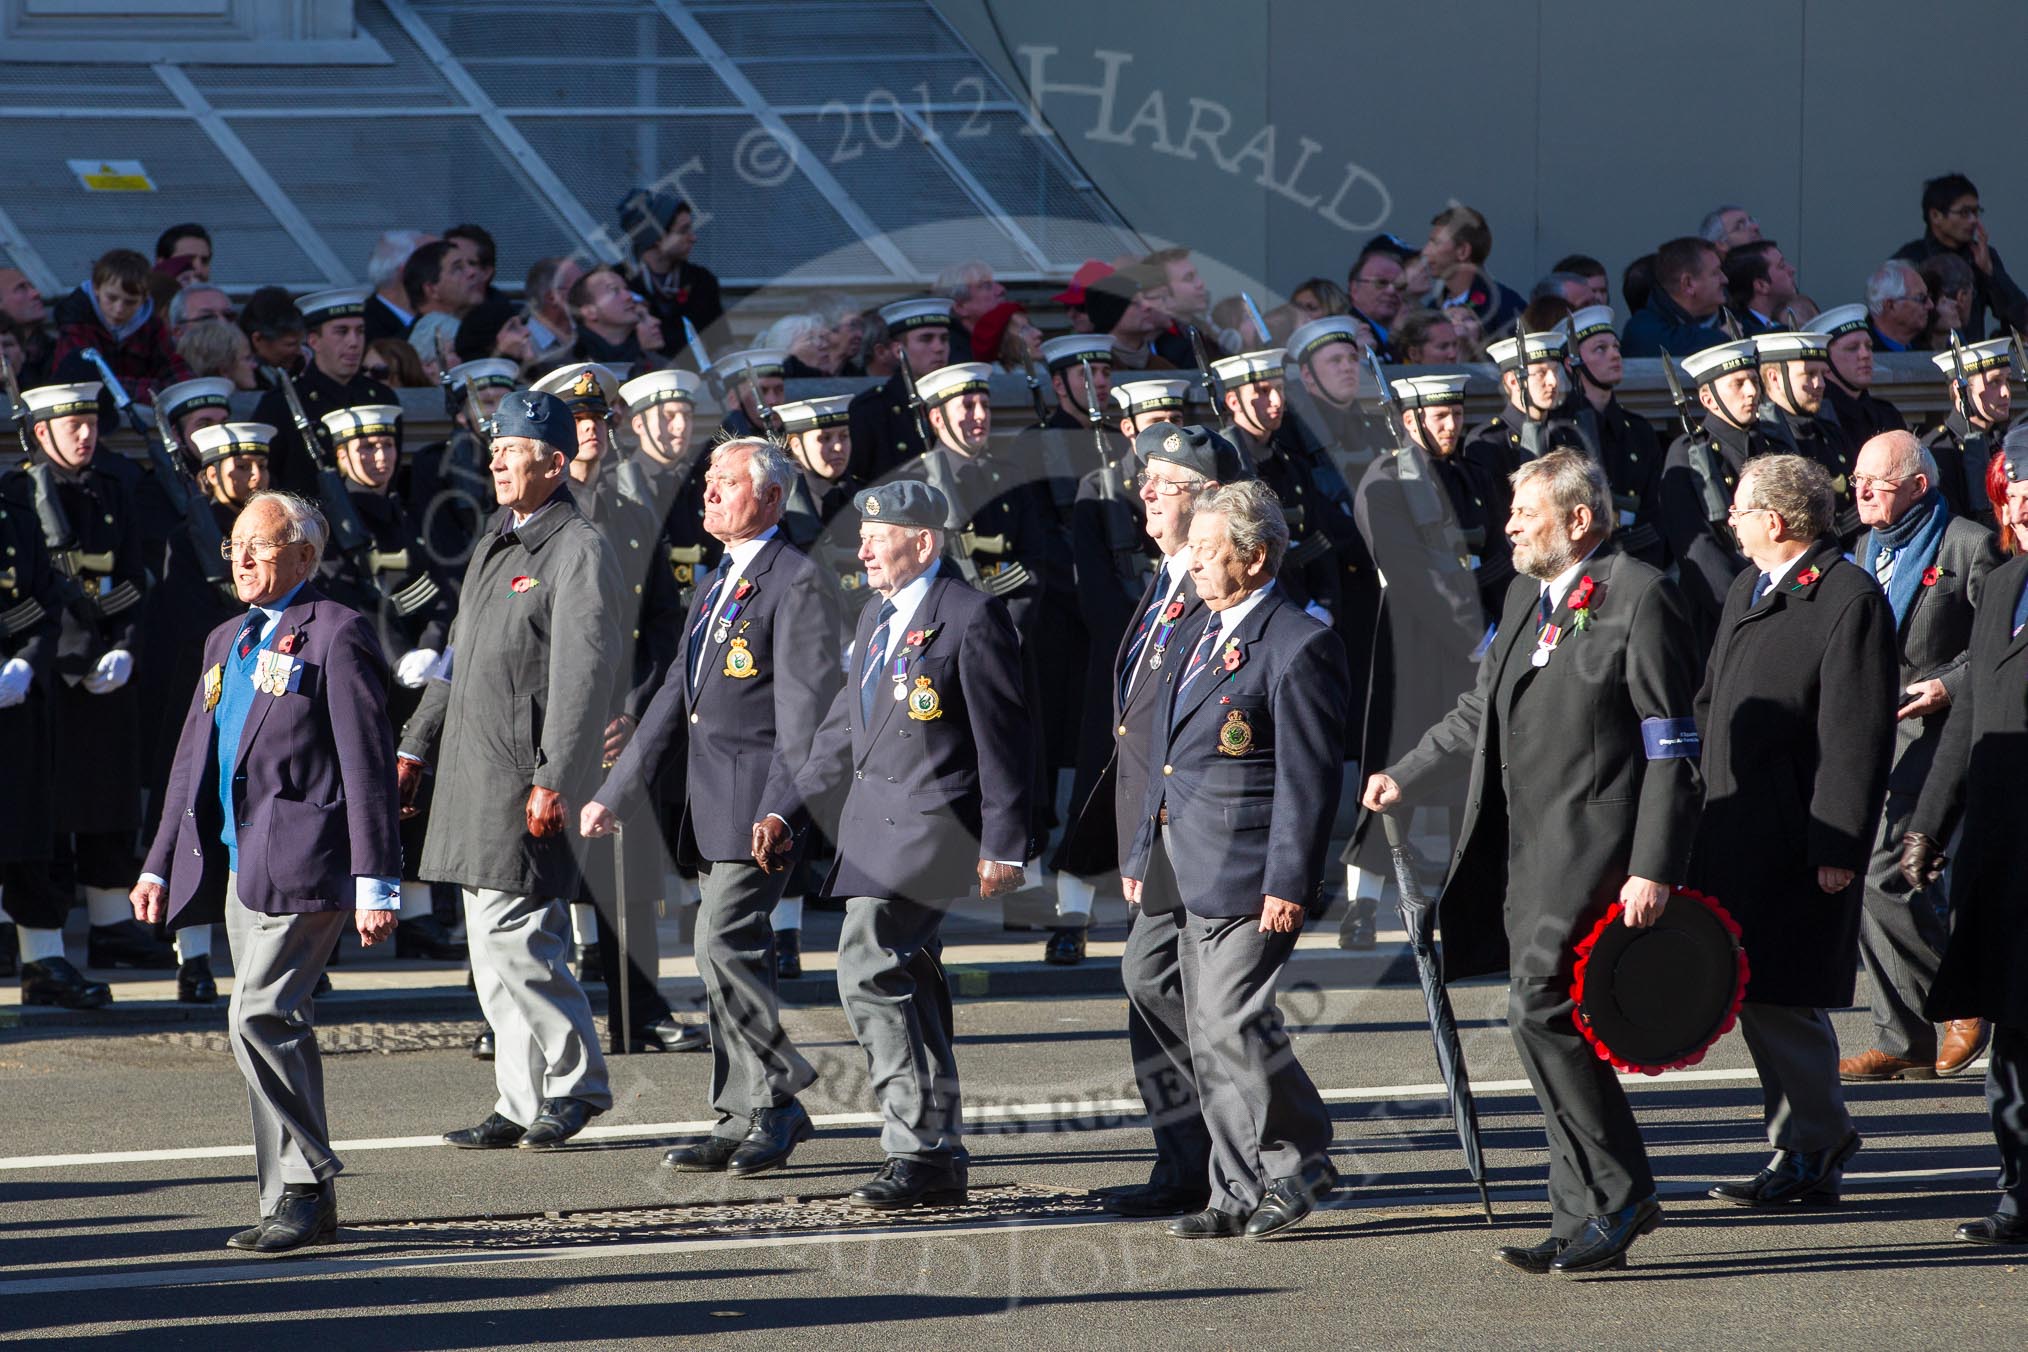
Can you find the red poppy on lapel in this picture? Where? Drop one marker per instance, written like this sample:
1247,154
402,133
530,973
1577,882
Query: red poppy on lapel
1805,578
288,642
739,592
1932,575
1580,602
1173,611
1232,658
523,583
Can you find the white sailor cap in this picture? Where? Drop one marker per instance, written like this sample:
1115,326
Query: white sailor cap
1589,322
1991,355
216,442
485,374
187,396
362,420
582,385
1722,360
1430,391
752,363
925,312
1072,348
344,302
661,387
808,414
1838,321
1540,347
948,382
61,401
1308,338
1151,396
1249,367
1798,346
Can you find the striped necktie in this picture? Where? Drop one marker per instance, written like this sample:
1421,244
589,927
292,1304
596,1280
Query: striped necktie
876,657
704,614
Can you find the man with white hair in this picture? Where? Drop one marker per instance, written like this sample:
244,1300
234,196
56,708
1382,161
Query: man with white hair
1727,227
741,708
390,311
972,290
281,819
1899,302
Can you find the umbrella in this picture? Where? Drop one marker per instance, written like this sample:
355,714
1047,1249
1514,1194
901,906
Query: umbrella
1418,916
626,963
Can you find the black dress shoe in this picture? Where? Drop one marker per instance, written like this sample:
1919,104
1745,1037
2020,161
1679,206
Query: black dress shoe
589,973
129,943
1208,1224
246,1239
774,1136
10,949
323,986
1065,947
53,981
495,1133
1604,1241
709,1156
307,1214
1534,1258
1154,1201
482,1045
560,1120
788,954
1357,931
667,1035
1285,1204
1793,1179
910,1182
194,983
1995,1229
427,937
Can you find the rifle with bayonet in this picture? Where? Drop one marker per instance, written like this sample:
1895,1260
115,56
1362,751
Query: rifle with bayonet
1702,455
937,471
1035,388
1214,388
185,495
348,533
1113,507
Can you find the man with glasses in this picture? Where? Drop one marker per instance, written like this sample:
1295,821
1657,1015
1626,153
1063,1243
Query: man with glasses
334,329
1933,566
1955,222
1378,286
1899,302
1963,443
1728,227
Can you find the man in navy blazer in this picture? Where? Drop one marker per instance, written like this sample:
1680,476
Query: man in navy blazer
1230,848
930,744
282,818
758,675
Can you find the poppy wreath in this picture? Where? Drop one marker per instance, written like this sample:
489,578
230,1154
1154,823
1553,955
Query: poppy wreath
1738,997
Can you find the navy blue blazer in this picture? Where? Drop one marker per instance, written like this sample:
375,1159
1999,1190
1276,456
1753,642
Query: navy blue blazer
937,781
1250,767
751,717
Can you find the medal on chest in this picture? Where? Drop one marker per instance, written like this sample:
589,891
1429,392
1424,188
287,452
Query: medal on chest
1545,643
214,686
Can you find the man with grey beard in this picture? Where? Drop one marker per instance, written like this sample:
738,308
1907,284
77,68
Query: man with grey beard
1560,827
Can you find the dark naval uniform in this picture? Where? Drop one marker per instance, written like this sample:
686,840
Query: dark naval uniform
1864,415
451,492
1508,439
884,434
1318,521
290,465
1627,448
1698,479
30,620
1962,453
1826,441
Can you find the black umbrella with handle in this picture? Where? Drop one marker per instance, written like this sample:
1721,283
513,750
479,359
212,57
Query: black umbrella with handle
1418,917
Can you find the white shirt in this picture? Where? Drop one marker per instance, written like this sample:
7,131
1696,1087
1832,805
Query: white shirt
1175,568
1775,575
1558,586
1232,617
905,602
737,557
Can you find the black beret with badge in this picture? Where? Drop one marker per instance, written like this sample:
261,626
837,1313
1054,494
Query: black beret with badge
1196,448
538,415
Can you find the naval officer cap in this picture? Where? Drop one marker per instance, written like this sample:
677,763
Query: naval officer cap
1530,348
45,402
806,415
586,386
1060,354
487,373
344,302
905,502
1714,363
1798,346
661,387
1249,367
1430,391
363,420
1990,355
1589,323
1838,321
1150,396
540,416
751,363
1196,448
187,396
221,441
926,312
1311,338
948,382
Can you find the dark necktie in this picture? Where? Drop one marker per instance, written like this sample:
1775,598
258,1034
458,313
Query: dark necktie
1543,610
2021,610
876,657
704,620
250,633
1760,587
1200,657
1149,620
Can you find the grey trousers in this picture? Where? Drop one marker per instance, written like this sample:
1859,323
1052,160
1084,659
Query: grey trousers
1795,1052
1158,1037
891,982
1597,1163
1901,940
753,1063
276,960
1266,1120
546,1045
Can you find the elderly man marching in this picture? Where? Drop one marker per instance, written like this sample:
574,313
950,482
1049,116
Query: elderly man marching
754,684
281,819
1933,565
1559,828
516,733
1253,715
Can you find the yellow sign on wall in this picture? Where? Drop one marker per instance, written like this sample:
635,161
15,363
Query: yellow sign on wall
112,175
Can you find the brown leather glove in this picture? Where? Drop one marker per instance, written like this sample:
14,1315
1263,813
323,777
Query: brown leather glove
1922,860
997,879
546,812
408,777
771,842
617,733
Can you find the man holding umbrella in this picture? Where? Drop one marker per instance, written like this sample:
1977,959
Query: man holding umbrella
1558,827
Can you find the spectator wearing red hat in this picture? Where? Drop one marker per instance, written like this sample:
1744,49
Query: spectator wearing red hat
1006,335
1073,298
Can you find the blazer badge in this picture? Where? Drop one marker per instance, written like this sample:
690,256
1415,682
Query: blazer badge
739,660
1236,737
923,704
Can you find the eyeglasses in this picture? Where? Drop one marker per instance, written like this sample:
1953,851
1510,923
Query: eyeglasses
1167,488
1734,513
1967,213
1378,285
259,548
1877,484
1924,301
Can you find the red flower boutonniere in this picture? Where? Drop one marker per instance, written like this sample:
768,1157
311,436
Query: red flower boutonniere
739,592
288,643
523,583
1804,579
1580,602
1173,612
1231,658
918,637
1932,575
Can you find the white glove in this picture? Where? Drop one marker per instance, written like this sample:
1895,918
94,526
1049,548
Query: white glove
111,673
15,679
1318,613
415,667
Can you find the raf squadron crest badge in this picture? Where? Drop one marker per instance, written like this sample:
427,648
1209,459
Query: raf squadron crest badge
739,660
923,704
1236,737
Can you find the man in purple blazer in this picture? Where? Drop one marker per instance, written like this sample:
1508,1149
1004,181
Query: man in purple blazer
282,818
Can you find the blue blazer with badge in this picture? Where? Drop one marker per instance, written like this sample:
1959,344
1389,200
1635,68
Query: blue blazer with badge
749,718
937,780
1247,769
